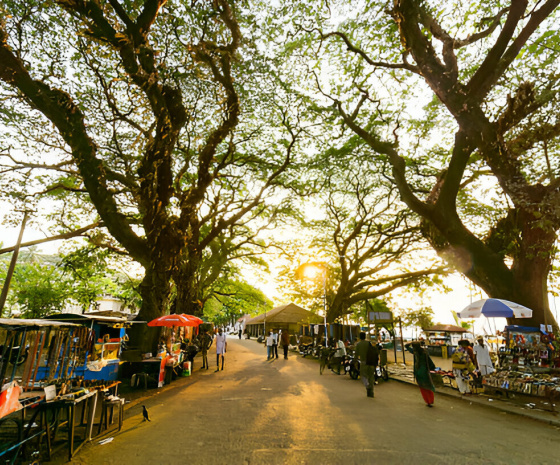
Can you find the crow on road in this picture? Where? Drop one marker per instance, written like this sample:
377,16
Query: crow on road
145,413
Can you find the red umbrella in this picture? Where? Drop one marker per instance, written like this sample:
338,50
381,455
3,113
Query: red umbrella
176,320
193,318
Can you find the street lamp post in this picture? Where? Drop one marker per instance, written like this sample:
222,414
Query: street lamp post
325,304
309,271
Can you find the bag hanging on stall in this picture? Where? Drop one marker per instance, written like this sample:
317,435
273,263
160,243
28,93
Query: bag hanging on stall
9,398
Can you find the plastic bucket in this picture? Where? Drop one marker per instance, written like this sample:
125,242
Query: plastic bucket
186,369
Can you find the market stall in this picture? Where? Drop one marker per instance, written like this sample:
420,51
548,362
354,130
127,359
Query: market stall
178,330
43,403
529,367
442,340
290,317
37,352
103,349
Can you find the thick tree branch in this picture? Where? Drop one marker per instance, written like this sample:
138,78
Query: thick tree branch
58,237
397,162
358,51
500,56
59,108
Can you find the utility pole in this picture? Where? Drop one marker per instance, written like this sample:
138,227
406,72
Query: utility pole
10,272
325,305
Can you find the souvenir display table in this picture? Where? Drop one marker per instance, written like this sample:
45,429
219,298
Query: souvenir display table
529,368
522,384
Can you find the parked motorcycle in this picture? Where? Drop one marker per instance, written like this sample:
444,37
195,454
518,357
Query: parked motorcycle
317,351
380,370
305,349
354,369
346,364
381,373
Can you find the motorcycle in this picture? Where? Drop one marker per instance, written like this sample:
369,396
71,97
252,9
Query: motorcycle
354,368
346,364
317,351
305,349
381,373
380,370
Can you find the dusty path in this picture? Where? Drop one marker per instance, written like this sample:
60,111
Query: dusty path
284,412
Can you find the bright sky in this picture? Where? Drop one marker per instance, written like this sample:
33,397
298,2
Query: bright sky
442,303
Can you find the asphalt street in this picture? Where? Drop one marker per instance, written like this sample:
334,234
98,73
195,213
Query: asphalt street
284,412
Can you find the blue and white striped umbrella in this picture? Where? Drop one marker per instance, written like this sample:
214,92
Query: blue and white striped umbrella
495,308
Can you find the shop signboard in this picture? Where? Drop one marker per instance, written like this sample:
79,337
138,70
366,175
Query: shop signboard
380,317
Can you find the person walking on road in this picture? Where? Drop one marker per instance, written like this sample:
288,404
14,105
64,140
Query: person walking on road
274,344
483,358
205,341
422,366
221,348
269,344
285,341
369,358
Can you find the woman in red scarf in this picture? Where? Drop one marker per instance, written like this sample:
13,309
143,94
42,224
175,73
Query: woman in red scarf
423,364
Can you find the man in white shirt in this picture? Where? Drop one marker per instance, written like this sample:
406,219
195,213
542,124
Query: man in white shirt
269,345
336,364
275,338
483,358
221,347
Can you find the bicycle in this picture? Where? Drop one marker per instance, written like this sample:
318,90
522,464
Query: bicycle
326,358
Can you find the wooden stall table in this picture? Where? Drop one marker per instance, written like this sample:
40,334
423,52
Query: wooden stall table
108,406
88,402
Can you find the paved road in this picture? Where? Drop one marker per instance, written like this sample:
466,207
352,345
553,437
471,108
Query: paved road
284,412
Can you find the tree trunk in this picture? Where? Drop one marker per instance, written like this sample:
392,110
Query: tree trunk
530,291
530,274
154,289
186,278
337,308
526,282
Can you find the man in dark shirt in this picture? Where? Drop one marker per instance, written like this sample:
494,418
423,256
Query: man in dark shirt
368,355
205,342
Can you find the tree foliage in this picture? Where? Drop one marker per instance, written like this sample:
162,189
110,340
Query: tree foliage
458,99
422,318
373,240
158,117
232,299
46,284
174,120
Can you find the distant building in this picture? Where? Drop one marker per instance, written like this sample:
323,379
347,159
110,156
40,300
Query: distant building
290,317
104,303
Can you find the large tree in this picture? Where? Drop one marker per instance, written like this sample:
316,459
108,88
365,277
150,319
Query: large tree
372,241
145,99
460,99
